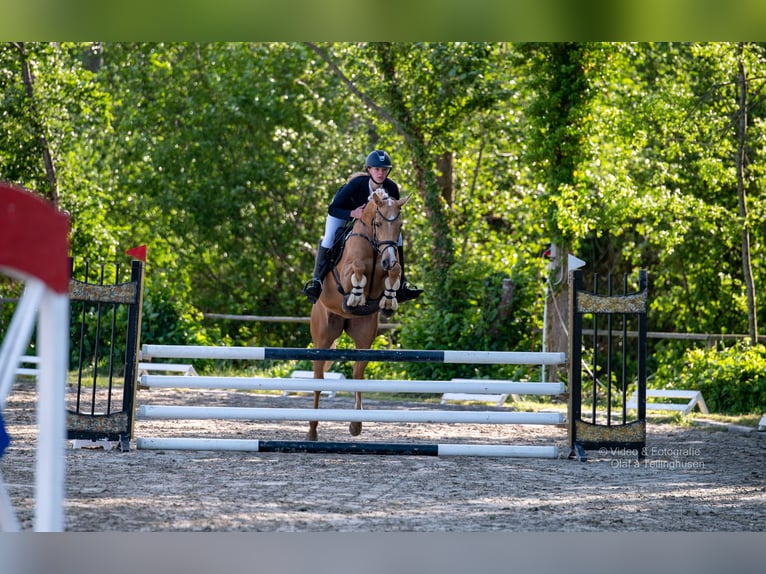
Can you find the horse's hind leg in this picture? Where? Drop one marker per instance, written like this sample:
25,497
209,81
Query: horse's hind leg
355,428
362,330
319,368
312,434
325,329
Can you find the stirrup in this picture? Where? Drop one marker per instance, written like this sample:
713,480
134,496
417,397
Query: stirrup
312,290
406,293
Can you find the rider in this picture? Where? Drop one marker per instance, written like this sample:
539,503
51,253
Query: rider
349,202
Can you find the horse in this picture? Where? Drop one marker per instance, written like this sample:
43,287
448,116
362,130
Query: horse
361,285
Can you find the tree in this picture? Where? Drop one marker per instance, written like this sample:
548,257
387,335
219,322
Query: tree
714,160
222,157
742,166
561,77
433,98
227,157
38,122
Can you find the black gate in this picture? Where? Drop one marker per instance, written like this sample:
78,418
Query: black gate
104,347
607,364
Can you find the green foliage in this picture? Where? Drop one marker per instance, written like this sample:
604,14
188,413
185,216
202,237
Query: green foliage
731,378
88,336
222,158
489,311
167,321
225,157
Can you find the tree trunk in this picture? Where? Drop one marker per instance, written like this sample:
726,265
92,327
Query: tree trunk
444,165
434,204
741,158
39,124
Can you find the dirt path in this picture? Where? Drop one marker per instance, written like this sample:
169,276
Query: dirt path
693,479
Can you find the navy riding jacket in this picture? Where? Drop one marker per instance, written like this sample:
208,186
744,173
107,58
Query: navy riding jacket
355,193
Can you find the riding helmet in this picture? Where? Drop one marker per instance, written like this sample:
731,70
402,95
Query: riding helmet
378,158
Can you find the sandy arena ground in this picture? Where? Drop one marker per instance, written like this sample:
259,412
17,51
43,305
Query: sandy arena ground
694,479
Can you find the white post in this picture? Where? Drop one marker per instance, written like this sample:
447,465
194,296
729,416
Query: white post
52,334
545,329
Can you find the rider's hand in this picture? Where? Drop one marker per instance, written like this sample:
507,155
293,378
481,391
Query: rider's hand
357,213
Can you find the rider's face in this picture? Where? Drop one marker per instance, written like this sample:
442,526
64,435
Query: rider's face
378,174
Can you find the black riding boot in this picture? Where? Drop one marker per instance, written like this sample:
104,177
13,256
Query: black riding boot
405,292
313,288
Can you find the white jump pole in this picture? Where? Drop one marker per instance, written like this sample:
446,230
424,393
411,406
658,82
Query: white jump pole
348,415
19,333
352,385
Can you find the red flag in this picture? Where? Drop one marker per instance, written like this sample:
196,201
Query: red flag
138,253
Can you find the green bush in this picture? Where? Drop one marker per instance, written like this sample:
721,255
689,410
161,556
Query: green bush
477,314
732,379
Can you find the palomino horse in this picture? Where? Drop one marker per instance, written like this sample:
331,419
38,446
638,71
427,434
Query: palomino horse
362,284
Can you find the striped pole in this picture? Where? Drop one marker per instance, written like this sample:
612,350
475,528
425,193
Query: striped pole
244,445
409,356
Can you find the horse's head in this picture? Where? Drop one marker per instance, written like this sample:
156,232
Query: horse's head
383,216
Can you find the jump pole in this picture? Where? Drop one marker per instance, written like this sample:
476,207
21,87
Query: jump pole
352,385
347,415
295,353
244,445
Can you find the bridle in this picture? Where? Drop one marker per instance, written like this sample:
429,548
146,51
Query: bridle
377,246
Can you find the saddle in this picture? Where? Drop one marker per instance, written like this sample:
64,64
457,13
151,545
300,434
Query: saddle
339,243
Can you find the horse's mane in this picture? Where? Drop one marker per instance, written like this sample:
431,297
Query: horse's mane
357,174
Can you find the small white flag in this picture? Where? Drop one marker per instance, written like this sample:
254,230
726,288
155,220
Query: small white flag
574,262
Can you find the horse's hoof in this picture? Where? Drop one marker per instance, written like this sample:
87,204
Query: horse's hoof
312,435
355,301
355,428
387,312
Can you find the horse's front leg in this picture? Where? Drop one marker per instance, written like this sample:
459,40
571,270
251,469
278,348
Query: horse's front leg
389,304
356,296
355,428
